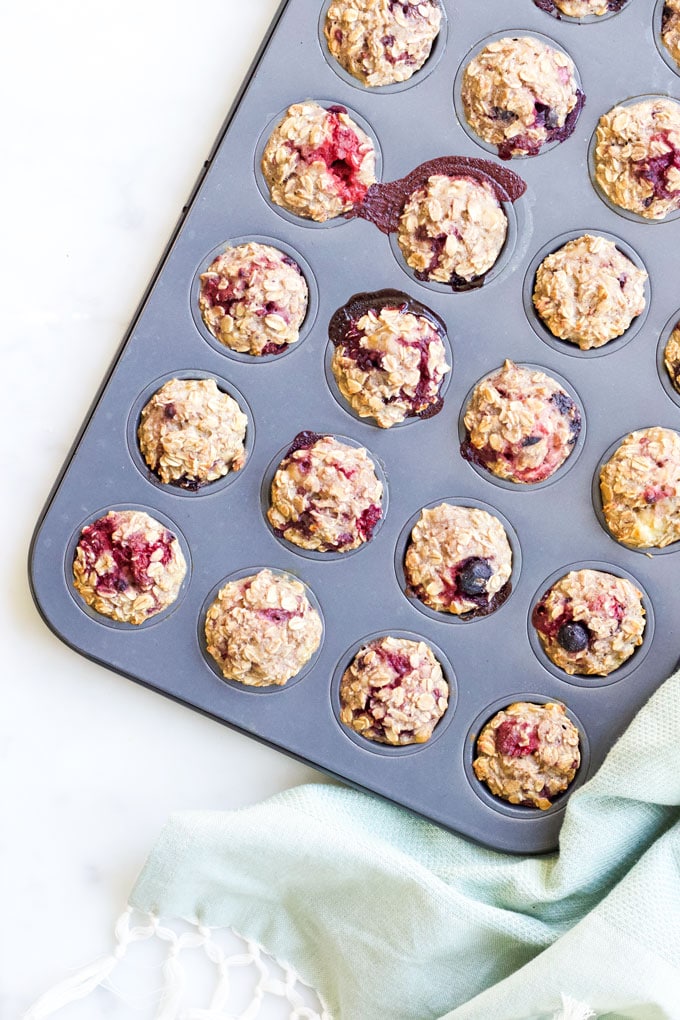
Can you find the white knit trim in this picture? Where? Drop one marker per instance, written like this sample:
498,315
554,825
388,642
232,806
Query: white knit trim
170,1006
574,1010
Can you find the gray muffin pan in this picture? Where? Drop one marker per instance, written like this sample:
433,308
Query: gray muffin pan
490,662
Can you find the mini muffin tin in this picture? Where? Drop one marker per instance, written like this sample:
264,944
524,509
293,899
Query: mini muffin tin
489,661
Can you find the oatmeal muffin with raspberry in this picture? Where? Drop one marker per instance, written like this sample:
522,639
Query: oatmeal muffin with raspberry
318,163
325,495
380,42
672,357
520,94
191,433
253,298
128,566
590,622
637,157
389,359
459,560
589,292
640,487
452,230
527,754
393,692
670,28
520,424
261,630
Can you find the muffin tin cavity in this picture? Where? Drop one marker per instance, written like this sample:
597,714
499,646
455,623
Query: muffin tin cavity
656,174
555,134
520,812
672,324
133,439
568,346
387,750
404,541
107,621
235,685
265,496
581,679
561,471
330,105
312,302
418,76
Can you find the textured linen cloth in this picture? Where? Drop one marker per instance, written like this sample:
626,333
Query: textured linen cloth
392,918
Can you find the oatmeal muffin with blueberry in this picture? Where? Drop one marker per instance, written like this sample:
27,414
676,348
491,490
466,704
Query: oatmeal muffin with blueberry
640,487
590,622
393,692
261,630
380,42
192,433
389,361
588,292
452,230
670,28
253,299
520,94
128,566
581,8
318,163
520,424
637,157
672,357
325,495
528,753
459,560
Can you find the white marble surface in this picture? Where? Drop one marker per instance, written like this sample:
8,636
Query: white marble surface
110,111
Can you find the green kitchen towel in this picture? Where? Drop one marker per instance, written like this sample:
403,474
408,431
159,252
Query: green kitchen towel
392,918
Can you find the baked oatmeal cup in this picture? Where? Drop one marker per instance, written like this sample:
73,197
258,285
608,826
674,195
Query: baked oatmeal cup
380,42
590,622
389,359
262,630
393,692
520,94
588,292
528,754
452,230
637,157
670,29
458,560
191,433
128,566
318,163
671,357
520,424
640,489
253,298
325,495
